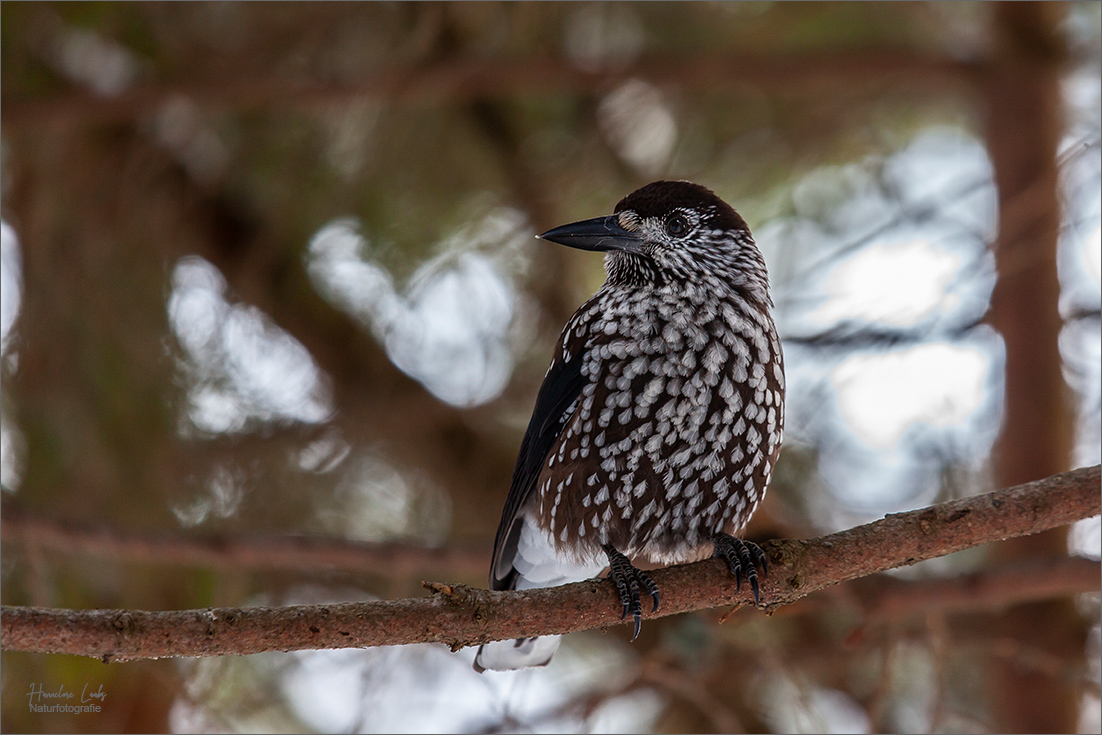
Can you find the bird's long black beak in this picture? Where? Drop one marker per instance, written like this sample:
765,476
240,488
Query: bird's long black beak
601,234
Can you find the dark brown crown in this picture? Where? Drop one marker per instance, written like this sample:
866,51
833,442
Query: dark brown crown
661,197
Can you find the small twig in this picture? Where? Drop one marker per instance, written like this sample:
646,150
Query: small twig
939,650
878,703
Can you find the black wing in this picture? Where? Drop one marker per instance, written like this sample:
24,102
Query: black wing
555,404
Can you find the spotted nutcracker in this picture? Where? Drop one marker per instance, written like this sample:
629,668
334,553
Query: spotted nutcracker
660,418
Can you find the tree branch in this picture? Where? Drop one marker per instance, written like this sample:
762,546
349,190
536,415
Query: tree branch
474,78
461,616
883,597
391,560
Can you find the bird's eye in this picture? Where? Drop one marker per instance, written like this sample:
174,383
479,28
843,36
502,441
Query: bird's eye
677,225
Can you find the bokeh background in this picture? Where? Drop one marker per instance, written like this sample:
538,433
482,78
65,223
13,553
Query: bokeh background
269,276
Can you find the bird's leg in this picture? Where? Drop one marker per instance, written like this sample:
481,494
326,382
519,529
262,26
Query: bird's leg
742,557
628,580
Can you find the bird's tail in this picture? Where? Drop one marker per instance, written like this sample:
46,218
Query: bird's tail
534,563
521,653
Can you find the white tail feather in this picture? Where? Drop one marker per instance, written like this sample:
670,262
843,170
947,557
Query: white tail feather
538,565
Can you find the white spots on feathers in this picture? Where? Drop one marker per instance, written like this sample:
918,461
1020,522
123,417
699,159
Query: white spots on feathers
682,410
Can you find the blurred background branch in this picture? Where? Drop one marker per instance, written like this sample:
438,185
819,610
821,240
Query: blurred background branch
464,80
392,559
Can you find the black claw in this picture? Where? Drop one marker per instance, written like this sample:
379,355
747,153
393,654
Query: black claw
760,558
652,589
742,557
629,581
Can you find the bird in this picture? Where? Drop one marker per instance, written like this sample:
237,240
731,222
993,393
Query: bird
660,418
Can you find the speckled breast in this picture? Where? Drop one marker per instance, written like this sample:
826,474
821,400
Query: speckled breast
677,428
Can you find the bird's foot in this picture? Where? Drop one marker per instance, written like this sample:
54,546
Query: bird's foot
628,581
742,557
